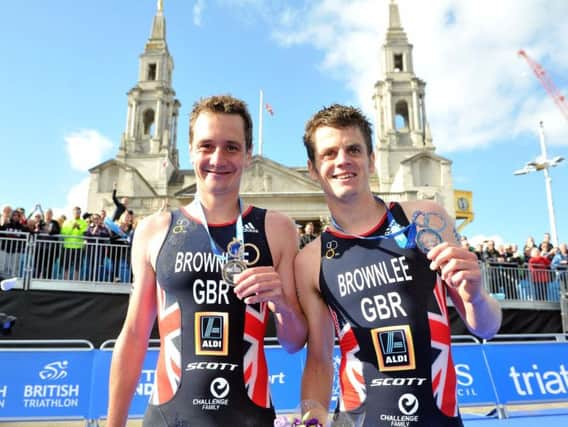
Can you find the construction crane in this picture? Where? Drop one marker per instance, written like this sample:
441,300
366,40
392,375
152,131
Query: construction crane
547,83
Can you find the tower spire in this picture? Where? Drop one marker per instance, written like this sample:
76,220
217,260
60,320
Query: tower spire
150,135
395,32
158,34
394,15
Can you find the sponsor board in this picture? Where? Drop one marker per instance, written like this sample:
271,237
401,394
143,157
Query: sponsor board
285,375
474,384
101,369
526,372
45,383
74,384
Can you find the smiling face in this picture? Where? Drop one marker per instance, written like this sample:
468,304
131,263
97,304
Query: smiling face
218,153
341,163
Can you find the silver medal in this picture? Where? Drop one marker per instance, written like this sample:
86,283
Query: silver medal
427,238
236,263
231,269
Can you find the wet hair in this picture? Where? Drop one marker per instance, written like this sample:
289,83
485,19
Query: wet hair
222,104
339,117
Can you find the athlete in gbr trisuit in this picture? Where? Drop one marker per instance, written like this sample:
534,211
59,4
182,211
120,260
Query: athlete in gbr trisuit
212,272
367,280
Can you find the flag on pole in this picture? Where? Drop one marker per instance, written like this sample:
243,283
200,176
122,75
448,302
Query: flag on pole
269,109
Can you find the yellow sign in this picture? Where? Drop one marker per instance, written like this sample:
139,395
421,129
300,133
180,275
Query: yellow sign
463,205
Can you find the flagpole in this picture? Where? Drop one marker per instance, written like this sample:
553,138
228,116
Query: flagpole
260,108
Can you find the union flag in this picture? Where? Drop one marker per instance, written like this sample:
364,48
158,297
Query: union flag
269,109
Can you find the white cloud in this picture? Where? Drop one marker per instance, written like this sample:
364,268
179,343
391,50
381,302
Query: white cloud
77,196
198,11
86,148
479,90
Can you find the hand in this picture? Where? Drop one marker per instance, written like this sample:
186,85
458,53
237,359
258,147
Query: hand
261,284
459,268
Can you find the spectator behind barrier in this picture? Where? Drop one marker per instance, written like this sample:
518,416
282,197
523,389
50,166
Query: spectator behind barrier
12,244
529,244
539,272
73,244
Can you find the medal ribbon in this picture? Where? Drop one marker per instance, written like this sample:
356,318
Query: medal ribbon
239,227
396,233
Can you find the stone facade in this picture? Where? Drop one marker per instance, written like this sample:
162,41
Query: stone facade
146,167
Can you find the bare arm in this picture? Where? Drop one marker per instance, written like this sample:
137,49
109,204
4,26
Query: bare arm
130,349
317,378
114,198
460,271
276,285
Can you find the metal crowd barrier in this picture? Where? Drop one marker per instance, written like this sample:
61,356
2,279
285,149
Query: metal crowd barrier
518,283
99,265
52,263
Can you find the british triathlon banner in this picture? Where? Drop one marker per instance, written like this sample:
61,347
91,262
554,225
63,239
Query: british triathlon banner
101,369
74,384
474,382
37,384
526,372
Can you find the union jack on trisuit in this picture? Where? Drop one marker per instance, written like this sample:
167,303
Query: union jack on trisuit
168,370
443,372
351,377
255,367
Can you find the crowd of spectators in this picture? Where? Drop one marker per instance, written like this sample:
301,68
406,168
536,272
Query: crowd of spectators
82,246
544,254
96,247
536,271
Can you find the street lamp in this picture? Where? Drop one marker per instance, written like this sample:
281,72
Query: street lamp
543,163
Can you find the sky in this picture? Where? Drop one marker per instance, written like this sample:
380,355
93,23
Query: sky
67,66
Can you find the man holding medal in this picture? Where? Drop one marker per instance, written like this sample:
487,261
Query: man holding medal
212,272
378,277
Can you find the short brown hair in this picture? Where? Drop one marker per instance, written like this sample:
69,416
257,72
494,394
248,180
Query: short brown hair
339,117
222,104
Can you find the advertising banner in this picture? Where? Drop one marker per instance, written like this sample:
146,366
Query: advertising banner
45,384
101,369
527,372
285,371
475,386
64,384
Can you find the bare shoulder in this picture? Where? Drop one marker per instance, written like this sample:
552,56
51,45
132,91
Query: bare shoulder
280,231
307,264
153,224
150,234
310,252
278,222
281,236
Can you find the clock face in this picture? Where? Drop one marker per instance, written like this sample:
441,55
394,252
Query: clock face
463,204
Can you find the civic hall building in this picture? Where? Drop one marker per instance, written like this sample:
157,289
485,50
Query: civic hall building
146,167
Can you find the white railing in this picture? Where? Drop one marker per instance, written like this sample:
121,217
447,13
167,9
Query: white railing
40,258
88,263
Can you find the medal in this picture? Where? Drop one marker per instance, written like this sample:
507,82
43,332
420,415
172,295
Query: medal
427,238
431,224
236,263
231,268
